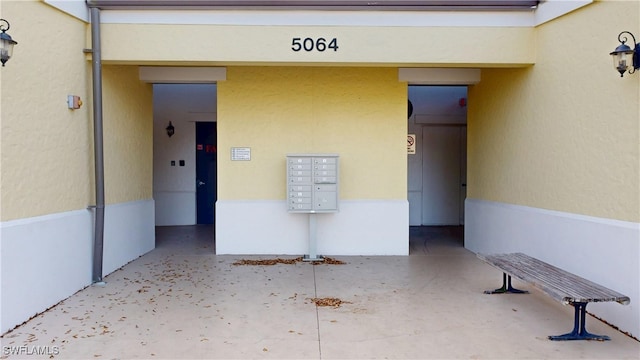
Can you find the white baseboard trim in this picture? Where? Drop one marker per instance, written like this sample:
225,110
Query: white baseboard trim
602,250
129,233
361,227
175,208
45,259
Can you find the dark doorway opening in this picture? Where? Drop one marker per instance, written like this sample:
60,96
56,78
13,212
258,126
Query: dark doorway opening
206,171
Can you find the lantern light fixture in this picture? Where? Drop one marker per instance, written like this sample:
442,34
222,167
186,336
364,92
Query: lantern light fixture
6,42
170,129
624,57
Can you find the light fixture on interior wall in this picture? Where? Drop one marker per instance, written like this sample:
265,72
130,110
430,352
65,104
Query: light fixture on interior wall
170,129
6,42
624,57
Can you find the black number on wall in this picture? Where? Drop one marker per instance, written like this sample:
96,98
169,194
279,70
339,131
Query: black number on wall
310,44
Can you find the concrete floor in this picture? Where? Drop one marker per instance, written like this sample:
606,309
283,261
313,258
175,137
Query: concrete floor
181,301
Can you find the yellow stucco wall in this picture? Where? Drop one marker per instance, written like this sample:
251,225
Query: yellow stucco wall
128,135
359,113
254,45
45,149
564,134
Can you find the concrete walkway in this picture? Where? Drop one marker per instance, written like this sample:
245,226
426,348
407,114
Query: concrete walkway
181,301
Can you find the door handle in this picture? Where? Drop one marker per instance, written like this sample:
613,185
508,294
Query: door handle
200,182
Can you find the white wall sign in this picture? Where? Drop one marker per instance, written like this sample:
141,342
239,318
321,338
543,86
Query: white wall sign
411,144
240,154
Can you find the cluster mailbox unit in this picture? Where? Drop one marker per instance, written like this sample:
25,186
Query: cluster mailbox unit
312,183
312,187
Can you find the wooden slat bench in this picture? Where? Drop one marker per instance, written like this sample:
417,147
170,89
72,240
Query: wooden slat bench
557,283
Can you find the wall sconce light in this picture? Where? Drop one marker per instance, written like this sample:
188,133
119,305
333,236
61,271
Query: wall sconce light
170,129
624,57
6,42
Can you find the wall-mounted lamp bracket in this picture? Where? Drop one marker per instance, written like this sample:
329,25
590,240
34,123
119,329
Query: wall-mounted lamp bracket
624,57
170,129
6,42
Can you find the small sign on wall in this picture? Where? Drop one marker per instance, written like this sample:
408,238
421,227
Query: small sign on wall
411,144
240,154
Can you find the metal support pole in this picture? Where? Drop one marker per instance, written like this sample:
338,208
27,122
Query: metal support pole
313,239
98,145
579,331
506,287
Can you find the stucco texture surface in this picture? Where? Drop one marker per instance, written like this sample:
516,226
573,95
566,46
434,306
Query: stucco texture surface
564,134
358,113
207,44
128,135
45,147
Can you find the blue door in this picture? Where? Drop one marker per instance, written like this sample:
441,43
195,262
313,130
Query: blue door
206,171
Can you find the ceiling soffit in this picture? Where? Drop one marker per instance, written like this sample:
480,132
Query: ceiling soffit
407,5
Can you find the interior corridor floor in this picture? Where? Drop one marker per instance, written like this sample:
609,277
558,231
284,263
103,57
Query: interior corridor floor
181,301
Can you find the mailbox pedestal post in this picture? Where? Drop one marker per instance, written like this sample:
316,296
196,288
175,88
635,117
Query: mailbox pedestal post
313,240
312,188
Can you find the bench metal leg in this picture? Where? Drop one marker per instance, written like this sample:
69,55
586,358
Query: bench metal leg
579,331
506,287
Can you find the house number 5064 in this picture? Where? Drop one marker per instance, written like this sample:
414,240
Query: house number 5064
309,44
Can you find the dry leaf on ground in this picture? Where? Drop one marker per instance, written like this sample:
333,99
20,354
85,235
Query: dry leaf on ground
330,261
268,261
326,260
335,302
